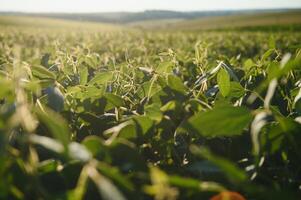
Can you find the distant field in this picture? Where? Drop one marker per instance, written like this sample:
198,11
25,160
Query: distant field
161,24
257,21
41,22
284,20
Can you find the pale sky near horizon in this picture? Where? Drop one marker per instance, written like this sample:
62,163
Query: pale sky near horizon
140,5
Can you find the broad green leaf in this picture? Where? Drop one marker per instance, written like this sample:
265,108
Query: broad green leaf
102,78
223,81
128,132
114,99
176,83
42,73
236,90
164,67
153,112
76,92
143,124
221,121
91,92
248,64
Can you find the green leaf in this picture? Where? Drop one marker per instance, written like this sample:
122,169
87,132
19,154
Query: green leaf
297,106
83,75
48,166
153,112
272,42
148,88
6,88
115,175
171,105
274,71
124,130
106,188
143,124
55,124
94,144
236,90
33,86
223,81
91,92
189,183
248,64
272,139
230,169
114,99
102,78
164,67
42,72
128,132
91,61
221,121
176,84
267,54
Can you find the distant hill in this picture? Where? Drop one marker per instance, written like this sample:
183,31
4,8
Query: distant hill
290,20
43,23
149,15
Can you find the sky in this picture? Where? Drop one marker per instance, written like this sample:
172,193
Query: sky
140,5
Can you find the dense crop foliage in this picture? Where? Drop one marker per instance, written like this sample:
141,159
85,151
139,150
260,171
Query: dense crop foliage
140,115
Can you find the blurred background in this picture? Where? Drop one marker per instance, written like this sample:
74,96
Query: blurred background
169,15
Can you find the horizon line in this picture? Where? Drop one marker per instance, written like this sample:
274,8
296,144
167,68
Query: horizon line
145,10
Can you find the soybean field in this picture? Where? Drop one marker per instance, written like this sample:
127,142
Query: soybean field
102,111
